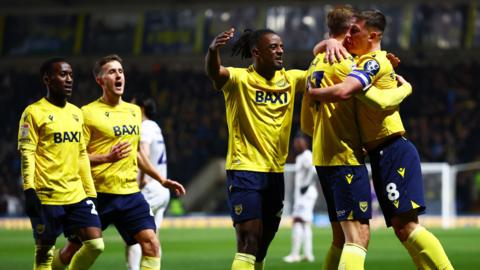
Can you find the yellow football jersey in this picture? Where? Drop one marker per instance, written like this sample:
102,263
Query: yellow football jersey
377,126
336,139
259,116
106,126
55,135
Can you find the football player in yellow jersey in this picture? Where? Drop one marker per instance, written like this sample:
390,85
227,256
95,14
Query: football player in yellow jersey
109,122
337,150
395,162
259,107
56,172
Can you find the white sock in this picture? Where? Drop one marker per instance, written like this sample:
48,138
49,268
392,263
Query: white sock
307,239
297,238
134,255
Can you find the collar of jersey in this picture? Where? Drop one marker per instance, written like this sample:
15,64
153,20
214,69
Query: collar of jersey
269,85
100,99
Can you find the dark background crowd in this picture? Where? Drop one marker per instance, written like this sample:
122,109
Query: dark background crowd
164,43
441,118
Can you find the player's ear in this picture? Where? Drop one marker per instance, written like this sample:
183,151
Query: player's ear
99,80
46,79
255,52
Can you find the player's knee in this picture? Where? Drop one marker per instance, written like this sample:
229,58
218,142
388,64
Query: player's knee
403,226
150,246
95,246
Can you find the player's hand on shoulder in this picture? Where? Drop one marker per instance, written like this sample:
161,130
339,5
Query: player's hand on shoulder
119,151
394,60
222,39
334,51
175,186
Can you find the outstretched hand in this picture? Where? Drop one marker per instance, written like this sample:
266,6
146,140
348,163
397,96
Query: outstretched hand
175,186
222,39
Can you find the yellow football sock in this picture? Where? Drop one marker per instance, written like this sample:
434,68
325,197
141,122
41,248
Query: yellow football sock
57,263
332,258
150,263
353,257
243,261
87,254
414,255
259,265
43,257
430,251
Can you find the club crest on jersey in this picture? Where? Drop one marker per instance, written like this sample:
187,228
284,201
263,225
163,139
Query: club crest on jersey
50,117
371,67
126,130
133,113
363,206
75,117
107,114
238,209
281,83
271,97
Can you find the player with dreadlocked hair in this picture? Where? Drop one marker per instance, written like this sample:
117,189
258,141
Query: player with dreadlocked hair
259,107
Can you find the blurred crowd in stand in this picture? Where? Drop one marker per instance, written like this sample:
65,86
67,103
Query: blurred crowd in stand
442,118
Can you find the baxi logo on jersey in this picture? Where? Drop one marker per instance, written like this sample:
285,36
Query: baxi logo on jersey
271,97
126,129
66,136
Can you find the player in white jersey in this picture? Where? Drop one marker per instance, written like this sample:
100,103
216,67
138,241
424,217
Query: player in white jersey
305,196
157,196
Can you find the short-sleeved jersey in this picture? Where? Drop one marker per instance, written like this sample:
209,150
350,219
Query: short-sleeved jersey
152,135
375,69
55,135
336,140
106,126
259,117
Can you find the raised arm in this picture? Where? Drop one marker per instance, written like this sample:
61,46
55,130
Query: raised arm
215,71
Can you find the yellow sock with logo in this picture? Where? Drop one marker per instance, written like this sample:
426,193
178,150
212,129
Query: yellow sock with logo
332,258
43,257
150,263
57,263
428,249
87,254
243,261
353,257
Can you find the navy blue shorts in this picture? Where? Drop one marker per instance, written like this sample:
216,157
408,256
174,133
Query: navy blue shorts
55,219
256,195
347,192
129,213
397,178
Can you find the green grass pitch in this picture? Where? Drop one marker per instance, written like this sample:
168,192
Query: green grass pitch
211,249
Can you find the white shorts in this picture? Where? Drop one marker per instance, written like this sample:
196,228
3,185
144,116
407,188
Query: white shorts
304,204
157,197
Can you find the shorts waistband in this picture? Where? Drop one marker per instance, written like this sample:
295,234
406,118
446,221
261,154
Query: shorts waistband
387,143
